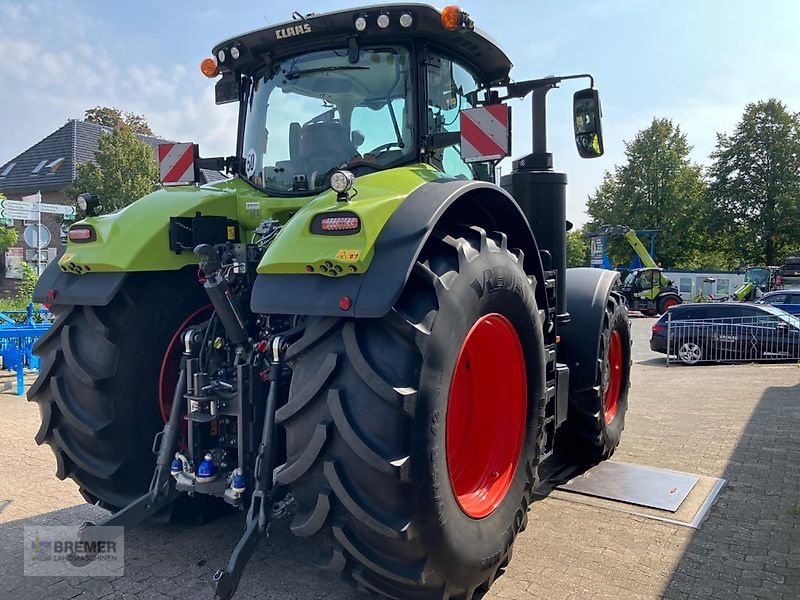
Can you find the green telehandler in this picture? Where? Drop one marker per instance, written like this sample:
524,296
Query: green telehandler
360,330
646,289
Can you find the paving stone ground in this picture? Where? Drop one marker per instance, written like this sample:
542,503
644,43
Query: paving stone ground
738,422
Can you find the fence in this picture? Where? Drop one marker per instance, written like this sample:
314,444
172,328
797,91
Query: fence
19,330
767,337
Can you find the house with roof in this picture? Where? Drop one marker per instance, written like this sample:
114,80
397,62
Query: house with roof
50,167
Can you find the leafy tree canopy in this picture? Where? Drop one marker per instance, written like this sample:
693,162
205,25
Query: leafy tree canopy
658,187
577,248
114,117
8,235
124,170
754,185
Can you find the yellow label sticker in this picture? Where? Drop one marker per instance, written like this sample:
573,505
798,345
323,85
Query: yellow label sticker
231,232
349,255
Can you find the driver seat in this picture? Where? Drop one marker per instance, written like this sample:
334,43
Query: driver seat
324,146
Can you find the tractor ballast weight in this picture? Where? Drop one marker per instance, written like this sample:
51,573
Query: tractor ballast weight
381,344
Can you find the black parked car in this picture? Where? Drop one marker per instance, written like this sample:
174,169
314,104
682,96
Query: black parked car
726,331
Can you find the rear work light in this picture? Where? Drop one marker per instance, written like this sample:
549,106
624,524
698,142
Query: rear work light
82,233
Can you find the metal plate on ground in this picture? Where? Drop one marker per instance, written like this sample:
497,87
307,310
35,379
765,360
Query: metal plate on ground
634,484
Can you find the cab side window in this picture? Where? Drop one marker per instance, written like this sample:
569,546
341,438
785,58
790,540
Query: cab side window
448,84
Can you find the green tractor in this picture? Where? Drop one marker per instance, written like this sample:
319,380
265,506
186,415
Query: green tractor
359,330
757,282
646,290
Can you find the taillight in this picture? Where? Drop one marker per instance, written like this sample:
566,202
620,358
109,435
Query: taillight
657,327
81,233
339,223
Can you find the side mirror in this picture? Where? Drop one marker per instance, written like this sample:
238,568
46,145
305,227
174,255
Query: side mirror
227,89
586,119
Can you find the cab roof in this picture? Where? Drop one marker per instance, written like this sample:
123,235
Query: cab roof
336,29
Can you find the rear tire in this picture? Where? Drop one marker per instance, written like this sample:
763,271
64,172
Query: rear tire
368,428
596,415
97,388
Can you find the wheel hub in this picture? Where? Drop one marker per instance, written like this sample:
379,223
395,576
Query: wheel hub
486,415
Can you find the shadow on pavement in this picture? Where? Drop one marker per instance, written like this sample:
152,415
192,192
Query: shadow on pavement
750,545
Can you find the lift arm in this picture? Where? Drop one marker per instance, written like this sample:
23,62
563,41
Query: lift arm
633,239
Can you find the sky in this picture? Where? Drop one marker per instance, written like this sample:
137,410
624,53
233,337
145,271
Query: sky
698,63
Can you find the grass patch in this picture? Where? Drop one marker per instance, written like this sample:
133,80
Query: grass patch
793,510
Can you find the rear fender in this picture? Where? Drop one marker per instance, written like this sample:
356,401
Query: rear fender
93,289
442,202
587,291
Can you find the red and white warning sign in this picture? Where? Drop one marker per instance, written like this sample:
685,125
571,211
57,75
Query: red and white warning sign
486,133
176,163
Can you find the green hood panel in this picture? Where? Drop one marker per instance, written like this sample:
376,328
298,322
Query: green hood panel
136,238
297,250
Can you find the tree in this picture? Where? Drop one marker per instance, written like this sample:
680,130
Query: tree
8,235
123,171
755,185
657,188
113,117
577,248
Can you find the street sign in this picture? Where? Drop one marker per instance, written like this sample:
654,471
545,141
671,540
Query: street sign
16,213
36,236
58,209
16,209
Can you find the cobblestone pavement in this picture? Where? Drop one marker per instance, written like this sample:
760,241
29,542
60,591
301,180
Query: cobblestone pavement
739,422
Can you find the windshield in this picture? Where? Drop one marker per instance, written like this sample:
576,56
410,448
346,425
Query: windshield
782,315
757,275
317,112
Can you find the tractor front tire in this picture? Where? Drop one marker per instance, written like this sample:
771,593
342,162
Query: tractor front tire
98,386
664,303
414,439
596,415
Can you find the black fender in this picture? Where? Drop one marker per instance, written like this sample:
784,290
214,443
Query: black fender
587,291
437,203
93,289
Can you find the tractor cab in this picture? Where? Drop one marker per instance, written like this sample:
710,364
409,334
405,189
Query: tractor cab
649,291
645,283
364,90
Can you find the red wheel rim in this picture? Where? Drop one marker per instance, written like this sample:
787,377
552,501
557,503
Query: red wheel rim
170,364
614,378
486,415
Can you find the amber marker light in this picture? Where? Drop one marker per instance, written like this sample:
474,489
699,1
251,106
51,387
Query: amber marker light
208,67
452,18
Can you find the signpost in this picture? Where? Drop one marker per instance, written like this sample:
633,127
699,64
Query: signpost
30,208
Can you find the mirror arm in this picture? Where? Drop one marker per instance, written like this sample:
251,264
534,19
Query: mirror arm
520,89
539,88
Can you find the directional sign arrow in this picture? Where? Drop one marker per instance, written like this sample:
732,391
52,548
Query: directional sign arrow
16,213
59,209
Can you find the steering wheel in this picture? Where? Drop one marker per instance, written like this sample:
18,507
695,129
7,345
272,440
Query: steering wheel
384,147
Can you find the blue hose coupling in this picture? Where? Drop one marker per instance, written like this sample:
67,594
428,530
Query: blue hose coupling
206,470
176,467
239,483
